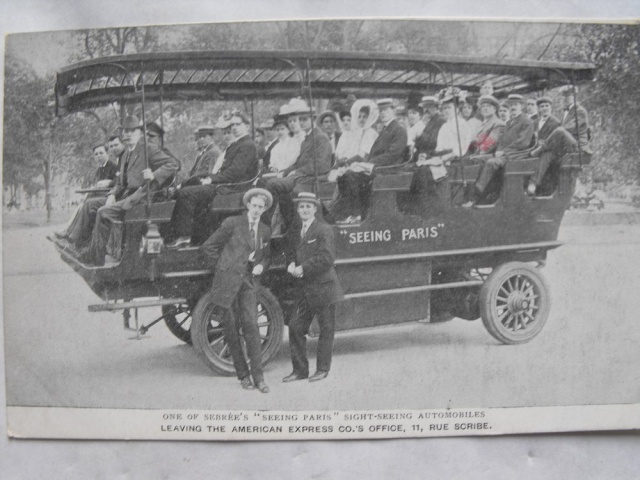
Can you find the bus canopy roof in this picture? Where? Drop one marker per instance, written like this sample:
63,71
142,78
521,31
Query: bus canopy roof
238,75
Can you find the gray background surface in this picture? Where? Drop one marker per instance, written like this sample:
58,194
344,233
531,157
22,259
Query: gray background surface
601,455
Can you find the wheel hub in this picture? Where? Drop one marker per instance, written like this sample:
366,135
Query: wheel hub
518,303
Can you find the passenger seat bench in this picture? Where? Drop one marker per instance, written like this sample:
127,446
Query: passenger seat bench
387,183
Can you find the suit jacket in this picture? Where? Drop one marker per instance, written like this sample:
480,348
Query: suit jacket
227,253
315,141
240,162
517,136
428,139
487,138
108,171
334,141
163,165
580,128
316,253
205,160
390,146
267,154
549,126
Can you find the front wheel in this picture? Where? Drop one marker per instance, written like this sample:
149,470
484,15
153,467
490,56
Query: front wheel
207,332
177,318
514,303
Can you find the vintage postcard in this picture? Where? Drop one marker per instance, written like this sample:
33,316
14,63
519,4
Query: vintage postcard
336,229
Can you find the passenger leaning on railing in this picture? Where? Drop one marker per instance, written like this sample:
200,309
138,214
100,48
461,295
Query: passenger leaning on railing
314,157
239,164
354,187
517,137
571,136
130,189
453,139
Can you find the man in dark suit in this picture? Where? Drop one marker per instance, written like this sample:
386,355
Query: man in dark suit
390,148
271,140
315,156
103,177
206,157
428,140
131,187
239,251
311,255
240,164
115,147
517,136
329,125
546,122
572,135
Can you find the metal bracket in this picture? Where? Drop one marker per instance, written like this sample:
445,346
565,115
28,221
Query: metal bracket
140,331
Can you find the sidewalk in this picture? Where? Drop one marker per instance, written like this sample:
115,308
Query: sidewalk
614,213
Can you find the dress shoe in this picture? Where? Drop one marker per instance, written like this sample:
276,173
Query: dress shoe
319,375
179,242
246,383
293,377
262,387
62,235
468,204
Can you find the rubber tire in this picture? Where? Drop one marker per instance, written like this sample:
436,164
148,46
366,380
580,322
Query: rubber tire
175,327
488,294
200,322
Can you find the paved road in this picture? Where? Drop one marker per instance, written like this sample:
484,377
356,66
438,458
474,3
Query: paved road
58,354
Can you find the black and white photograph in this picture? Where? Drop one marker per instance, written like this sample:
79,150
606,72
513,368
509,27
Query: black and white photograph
321,229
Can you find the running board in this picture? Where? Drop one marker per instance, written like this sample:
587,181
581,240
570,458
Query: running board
113,306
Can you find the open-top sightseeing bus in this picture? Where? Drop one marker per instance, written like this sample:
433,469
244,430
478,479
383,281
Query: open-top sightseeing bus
412,258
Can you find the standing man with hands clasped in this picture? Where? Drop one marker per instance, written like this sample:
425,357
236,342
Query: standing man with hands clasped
239,251
310,258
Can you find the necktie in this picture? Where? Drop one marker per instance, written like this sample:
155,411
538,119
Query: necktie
303,232
252,231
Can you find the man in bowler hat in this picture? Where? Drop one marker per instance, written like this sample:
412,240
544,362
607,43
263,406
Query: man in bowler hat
310,256
238,252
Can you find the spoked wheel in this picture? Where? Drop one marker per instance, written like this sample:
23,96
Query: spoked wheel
514,303
178,320
208,335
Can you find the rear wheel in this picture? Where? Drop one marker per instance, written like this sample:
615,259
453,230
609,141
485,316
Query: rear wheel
208,335
514,303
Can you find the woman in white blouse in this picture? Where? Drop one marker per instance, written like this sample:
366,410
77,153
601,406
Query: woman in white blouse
358,140
286,151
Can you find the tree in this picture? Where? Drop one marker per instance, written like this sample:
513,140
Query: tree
26,121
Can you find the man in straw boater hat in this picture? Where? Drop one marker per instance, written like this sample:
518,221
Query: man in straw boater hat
428,140
310,257
517,136
573,135
129,190
239,164
238,252
314,157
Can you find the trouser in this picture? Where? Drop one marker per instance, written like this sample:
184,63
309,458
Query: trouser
243,314
191,207
556,146
299,328
105,217
281,189
488,171
80,229
354,195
